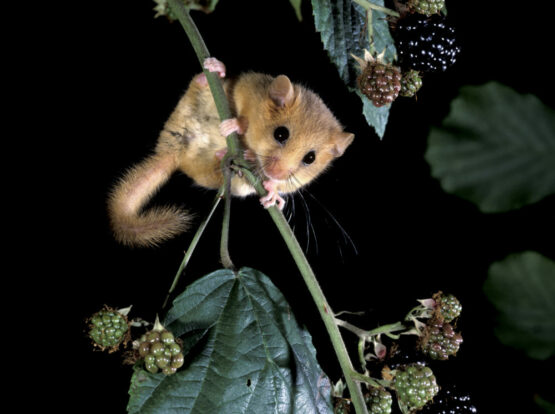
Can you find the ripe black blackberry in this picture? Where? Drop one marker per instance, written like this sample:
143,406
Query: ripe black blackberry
426,44
450,400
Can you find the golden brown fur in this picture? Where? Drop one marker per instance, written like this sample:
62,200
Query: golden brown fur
191,138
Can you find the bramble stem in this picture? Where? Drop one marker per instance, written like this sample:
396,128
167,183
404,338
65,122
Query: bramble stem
295,249
367,5
224,244
192,245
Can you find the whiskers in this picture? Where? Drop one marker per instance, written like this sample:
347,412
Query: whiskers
313,227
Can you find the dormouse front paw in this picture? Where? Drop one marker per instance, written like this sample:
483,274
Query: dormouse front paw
272,198
229,126
211,65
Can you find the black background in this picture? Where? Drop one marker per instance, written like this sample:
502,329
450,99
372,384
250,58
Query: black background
119,72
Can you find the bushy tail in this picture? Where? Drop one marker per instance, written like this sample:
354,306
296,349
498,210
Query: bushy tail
132,226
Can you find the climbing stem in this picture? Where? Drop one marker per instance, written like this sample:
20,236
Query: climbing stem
368,5
192,245
324,308
224,244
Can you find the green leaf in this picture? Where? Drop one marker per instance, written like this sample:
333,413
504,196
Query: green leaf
297,7
247,354
522,289
496,148
343,30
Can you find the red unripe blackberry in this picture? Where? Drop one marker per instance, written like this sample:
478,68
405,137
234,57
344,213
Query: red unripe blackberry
426,44
380,82
440,341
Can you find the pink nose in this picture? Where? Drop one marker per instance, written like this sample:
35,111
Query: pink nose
275,170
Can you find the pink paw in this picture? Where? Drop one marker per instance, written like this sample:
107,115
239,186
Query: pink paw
220,154
214,65
229,126
272,198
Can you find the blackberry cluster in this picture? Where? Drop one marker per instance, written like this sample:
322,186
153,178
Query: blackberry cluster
426,44
439,340
415,385
108,328
378,401
161,352
380,82
450,400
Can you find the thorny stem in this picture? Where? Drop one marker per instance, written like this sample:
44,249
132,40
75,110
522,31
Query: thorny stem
295,249
192,245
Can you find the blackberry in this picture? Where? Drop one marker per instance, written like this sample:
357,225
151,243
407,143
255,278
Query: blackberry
160,352
411,82
448,307
380,82
426,44
427,7
342,406
108,328
378,401
450,400
415,386
439,340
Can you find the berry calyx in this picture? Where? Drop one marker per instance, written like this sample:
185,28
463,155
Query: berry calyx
425,43
108,328
415,386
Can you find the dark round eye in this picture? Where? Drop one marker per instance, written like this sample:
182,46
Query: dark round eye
309,157
281,134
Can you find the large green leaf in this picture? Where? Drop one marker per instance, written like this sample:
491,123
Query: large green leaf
249,354
522,289
343,29
496,148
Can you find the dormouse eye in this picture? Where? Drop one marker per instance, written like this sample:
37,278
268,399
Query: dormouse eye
281,134
309,157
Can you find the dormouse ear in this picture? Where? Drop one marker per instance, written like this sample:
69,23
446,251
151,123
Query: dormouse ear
341,142
281,91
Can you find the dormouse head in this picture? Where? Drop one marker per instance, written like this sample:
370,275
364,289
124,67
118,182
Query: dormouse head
297,136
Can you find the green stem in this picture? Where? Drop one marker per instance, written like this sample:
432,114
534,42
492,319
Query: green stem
192,245
224,244
367,5
295,249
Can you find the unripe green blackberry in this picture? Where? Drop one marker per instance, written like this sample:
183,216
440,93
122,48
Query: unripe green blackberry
439,340
342,406
380,82
427,7
108,328
415,386
378,401
411,82
160,352
448,307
